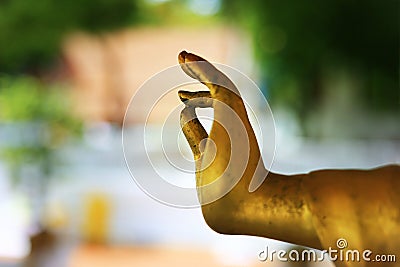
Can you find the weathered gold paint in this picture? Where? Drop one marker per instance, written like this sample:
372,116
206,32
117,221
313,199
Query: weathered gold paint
313,210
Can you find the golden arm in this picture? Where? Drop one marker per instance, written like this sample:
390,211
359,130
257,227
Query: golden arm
312,209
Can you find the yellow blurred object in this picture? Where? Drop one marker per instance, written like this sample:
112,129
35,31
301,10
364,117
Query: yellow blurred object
319,209
55,216
96,218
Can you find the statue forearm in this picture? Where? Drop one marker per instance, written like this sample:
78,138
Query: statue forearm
361,206
313,210
277,209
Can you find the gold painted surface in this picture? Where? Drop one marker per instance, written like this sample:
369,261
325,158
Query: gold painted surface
313,210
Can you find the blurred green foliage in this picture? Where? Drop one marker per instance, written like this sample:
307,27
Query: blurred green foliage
38,118
297,42
179,12
31,31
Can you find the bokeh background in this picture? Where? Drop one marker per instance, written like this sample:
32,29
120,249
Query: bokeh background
329,69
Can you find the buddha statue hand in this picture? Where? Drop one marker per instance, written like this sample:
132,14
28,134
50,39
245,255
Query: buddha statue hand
239,195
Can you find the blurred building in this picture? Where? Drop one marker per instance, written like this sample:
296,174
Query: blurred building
107,70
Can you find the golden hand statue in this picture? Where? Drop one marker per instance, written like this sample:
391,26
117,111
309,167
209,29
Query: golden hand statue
313,210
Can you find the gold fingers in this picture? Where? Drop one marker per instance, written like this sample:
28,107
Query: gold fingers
200,99
200,69
190,124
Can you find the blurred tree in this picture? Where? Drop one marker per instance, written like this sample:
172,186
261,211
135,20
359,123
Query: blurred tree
35,119
297,42
39,117
31,31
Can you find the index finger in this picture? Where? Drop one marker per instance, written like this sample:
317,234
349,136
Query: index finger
200,69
